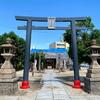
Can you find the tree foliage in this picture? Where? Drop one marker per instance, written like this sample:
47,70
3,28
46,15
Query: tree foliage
36,56
18,42
84,38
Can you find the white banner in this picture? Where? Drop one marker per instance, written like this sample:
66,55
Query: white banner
35,63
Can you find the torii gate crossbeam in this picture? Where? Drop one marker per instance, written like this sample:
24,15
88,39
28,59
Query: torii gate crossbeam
29,27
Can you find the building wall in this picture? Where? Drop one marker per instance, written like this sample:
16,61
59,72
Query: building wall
55,55
61,44
52,46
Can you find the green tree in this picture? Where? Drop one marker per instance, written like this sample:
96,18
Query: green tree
18,42
95,34
36,56
87,24
83,40
67,36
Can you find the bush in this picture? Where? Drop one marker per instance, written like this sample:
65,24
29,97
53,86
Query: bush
20,66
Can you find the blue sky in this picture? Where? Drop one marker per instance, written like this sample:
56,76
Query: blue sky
45,8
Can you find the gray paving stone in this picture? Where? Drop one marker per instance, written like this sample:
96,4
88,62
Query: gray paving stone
46,90
47,84
58,88
58,92
24,99
9,98
93,97
61,97
44,99
44,96
78,97
56,84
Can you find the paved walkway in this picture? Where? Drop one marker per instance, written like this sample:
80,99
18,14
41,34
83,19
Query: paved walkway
53,89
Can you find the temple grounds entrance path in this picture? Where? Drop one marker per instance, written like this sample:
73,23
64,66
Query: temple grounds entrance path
53,88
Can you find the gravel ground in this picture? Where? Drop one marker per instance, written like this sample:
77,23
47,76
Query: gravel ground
68,80
34,83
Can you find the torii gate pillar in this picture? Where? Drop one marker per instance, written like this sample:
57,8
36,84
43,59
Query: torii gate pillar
75,56
25,82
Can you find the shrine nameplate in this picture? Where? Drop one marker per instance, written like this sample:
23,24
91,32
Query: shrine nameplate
51,22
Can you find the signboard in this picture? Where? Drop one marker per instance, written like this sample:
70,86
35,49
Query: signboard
51,22
64,63
35,63
50,55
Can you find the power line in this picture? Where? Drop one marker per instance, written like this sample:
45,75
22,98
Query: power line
7,26
34,30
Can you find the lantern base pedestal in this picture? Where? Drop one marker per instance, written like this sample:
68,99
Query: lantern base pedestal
92,81
8,82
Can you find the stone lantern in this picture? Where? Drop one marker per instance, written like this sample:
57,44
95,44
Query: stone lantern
8,79
94,54
92,79
7,54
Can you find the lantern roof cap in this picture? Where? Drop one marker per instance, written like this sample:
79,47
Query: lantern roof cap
94,46
8,44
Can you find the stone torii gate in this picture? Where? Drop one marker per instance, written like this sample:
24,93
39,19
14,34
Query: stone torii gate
51,26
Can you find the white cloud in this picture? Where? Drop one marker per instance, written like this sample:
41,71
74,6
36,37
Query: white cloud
47,44
39,46
32,47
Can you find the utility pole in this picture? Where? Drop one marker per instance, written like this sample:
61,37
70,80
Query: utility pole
39,62
59,63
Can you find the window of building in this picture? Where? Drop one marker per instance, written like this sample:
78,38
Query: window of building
60,44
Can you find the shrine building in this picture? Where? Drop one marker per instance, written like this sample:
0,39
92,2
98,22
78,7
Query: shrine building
52,53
